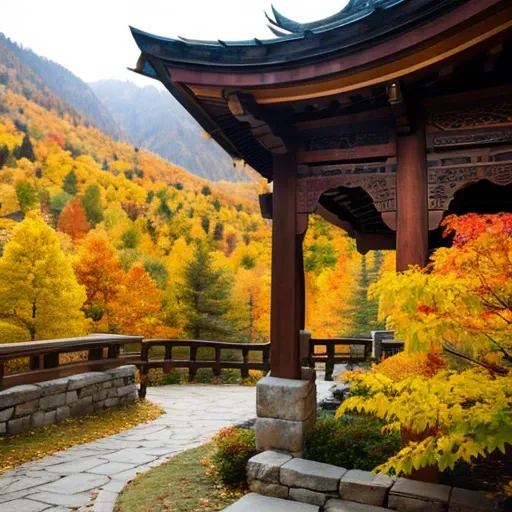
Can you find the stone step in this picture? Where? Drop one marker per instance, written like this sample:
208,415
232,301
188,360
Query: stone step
350,506
257,503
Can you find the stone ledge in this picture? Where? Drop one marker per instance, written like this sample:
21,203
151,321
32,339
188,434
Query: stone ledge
33,406
323,485
256,503
265,466
307,496
365,487
314,476
421,490
266,489
18,395
462,500
350,506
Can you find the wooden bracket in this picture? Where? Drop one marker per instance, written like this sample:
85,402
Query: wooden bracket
245,109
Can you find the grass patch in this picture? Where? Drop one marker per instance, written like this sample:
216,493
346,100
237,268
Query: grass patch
36,444
181,485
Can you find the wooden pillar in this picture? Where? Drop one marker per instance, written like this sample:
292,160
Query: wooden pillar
412,198
284,317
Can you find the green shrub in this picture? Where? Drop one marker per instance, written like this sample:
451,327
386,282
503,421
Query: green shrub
352,442
233,449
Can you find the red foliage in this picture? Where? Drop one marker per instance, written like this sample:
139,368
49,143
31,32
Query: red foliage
73,220
58,139
469,227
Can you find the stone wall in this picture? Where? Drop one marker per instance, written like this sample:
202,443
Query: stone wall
37,405
335,489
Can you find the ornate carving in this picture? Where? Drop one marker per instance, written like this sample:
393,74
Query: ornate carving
346,140
497,113
471,139
444,182
380,185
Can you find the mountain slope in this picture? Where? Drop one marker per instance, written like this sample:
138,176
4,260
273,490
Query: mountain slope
154,120
42,73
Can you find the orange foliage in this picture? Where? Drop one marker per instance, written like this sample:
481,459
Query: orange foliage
404,365
99,269
136,309
73,220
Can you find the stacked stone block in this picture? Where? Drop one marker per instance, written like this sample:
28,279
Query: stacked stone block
286,410
279,475
36,405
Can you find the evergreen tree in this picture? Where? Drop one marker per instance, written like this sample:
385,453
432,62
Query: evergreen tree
205,224
70,184
216,204
364,312
4,155
164,210
206,191
26,150
92,204
218,232
205,297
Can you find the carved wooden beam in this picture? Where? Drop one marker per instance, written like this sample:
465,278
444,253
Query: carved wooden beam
445,182
246,110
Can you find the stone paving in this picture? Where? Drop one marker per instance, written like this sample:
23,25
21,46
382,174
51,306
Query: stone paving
90,476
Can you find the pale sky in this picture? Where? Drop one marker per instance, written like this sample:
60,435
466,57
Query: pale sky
91,38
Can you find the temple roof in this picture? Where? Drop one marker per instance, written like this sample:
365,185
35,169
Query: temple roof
360,23
247,94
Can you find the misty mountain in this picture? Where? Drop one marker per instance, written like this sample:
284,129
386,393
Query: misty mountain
41,73
153,119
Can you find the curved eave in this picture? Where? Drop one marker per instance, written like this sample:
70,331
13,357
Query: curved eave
348,34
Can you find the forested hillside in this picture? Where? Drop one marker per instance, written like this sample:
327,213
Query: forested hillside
153,119
101,236
25,69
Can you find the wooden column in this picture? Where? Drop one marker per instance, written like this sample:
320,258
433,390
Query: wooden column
412,198
284,318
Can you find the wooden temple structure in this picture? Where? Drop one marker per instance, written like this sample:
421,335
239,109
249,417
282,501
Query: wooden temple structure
382,118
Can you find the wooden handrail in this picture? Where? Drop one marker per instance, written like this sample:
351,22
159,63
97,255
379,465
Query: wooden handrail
169,362
104,351
331,357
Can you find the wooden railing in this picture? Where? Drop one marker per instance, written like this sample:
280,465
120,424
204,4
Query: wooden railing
194,363
338,351
40,360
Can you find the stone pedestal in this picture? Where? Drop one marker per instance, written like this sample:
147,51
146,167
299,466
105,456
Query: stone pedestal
286,410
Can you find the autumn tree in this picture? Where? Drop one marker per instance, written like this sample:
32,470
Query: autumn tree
70,185
459,306
137,307
92,204
27,195
38,289
98,268
73,220
205,297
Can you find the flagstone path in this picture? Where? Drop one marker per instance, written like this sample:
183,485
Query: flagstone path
89,477
69,479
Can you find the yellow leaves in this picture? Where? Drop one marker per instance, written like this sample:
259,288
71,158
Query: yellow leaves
36,444
38,289
460,416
